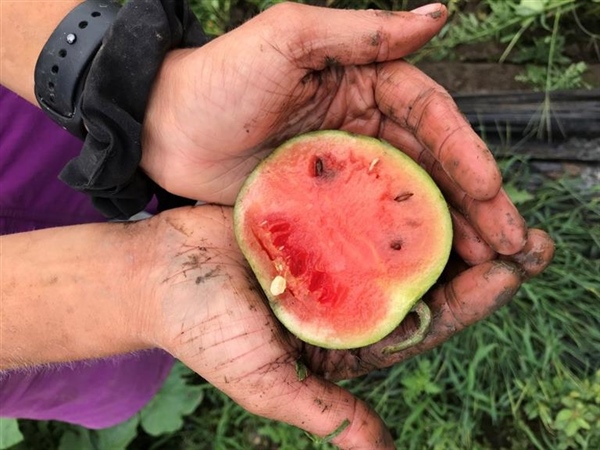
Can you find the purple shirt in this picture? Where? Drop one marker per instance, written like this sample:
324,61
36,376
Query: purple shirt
94,394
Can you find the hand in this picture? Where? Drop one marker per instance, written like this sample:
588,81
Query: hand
206,309
218,110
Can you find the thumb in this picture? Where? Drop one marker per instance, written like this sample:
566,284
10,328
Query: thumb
321,408
323,37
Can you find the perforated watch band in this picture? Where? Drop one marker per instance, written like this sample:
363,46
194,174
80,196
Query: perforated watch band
64,61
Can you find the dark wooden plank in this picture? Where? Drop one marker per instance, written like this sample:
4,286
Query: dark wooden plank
574,150
560,116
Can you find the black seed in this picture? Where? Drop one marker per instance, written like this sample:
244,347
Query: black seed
318,167
396,245
402,197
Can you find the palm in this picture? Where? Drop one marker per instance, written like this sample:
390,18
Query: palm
215,319
239,96
245,118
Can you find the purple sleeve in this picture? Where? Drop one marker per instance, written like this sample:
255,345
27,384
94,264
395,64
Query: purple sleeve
98,393
94,394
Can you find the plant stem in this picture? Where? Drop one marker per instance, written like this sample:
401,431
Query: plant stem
546,111
417,337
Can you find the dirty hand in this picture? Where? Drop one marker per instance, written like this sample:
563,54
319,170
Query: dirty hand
216,111
205,308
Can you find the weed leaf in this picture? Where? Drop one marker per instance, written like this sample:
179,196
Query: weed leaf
77,438
176,399
9,433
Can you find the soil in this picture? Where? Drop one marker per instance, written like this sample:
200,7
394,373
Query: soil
460,77
475,69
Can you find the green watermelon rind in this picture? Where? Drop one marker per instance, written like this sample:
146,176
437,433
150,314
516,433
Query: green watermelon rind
403,296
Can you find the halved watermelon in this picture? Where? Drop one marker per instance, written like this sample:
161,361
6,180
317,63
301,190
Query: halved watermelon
344,233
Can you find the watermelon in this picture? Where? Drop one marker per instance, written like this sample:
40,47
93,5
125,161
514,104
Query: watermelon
345,234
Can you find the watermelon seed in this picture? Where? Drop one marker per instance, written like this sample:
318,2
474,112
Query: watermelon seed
396,245
402,197
318,167
278,285
373,164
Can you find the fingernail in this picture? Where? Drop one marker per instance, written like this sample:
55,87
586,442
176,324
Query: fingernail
432,9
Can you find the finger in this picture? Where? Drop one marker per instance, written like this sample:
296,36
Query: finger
241,349
536,255
497,221
454,267
416,103
467,242
284,391
316,406
321,37
470,297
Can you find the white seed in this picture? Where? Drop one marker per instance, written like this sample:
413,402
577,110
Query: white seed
373,164
278,285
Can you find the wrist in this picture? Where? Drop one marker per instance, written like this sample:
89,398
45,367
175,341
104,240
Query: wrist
139,244
163,127
193,263
114,100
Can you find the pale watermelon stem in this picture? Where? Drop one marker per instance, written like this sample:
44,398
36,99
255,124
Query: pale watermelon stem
417,337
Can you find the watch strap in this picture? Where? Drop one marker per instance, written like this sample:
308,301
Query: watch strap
113,105
64,61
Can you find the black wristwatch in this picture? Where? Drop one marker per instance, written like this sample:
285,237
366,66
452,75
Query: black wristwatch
94,77
64,61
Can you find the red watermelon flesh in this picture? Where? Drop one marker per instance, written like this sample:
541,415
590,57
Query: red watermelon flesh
344,233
